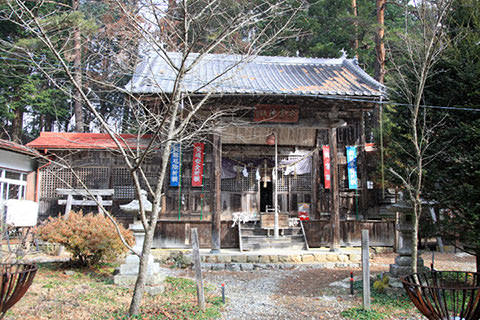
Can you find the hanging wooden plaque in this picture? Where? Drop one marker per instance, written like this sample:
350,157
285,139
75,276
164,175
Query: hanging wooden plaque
276,113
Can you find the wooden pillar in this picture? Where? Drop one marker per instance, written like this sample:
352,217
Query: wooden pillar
216,192
315,181
363,168
316,162
335,207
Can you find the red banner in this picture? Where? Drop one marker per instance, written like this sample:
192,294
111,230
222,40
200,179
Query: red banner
326,166
197,164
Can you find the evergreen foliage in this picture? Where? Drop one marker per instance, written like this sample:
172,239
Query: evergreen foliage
454,179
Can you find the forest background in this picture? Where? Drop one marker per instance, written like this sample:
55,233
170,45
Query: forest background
30,102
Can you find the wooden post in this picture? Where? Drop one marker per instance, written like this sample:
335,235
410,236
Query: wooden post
315,170
216,193
363,167
335,214
365,270
68,206
198,269
99,207
439,239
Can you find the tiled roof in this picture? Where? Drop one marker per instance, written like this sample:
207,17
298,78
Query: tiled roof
261,75
13,146
75,140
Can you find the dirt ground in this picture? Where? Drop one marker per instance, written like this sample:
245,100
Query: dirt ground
276,294
306,293
442,261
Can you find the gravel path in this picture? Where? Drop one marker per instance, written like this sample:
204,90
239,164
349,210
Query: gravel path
250,294
280,294
302,293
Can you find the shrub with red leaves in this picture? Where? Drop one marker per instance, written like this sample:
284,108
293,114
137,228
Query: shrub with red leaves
89,238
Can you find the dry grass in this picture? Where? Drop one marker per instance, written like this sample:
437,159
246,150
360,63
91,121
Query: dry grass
60,294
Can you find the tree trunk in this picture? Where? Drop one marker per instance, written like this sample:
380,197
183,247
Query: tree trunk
142,273
77,69
48,124
477,256
17,125
151,225
355,41
416,219
379,45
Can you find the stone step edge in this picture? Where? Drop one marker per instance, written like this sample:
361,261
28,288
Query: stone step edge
273,258
277,266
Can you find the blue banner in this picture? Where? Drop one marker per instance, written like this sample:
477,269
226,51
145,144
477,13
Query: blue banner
352,167
175,165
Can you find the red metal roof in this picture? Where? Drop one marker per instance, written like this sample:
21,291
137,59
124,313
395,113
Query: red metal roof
13,146
76,140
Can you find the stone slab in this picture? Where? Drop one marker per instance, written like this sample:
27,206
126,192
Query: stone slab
131,265
128,280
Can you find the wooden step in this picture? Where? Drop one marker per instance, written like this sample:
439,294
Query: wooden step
253,237
263,232
287,246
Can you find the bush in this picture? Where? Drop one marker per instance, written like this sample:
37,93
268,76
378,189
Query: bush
89,238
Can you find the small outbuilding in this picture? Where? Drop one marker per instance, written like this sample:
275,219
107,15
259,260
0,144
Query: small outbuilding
18,166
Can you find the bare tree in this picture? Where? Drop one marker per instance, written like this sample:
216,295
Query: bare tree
413,57
193,29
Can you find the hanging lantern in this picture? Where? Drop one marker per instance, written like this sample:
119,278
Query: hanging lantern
270,139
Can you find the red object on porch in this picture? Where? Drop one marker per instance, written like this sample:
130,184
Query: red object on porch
197,164
304,211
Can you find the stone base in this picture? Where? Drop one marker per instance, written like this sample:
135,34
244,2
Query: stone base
406,261
154,290
128,280
403,266
132,262
400,271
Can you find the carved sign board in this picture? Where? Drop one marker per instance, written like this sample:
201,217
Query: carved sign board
275,113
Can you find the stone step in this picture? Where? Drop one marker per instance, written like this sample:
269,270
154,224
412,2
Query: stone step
257,227
259,242
263,232
271,238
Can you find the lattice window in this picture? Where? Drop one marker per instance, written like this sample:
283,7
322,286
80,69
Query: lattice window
93,177
348,134
124,192
53,178
301,182
121,177
123,185
283,182
241,183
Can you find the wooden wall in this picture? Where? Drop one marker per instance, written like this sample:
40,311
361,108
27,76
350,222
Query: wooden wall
382,232
176,234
